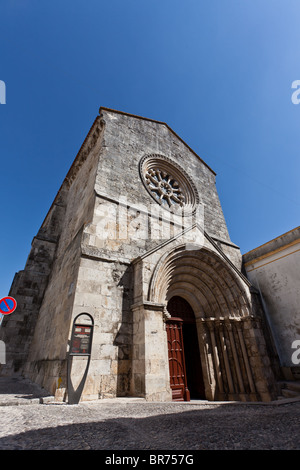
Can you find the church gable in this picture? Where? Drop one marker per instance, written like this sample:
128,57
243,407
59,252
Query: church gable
130,140
146,177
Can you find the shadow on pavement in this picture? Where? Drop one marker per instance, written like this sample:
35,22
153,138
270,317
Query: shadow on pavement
222,428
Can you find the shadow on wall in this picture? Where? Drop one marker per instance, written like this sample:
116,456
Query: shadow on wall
73,394
79,356
123,337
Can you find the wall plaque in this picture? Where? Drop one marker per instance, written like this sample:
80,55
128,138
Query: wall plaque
81,340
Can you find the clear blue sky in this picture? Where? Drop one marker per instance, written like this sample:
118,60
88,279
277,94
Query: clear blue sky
218,72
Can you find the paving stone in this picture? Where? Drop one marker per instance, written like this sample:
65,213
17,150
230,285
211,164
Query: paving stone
132,424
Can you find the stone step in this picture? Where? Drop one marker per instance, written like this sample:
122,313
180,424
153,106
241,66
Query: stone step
293,385
289,389
287,393
281,397
290,385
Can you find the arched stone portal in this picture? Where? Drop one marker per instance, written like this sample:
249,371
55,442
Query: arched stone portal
232,350
202,278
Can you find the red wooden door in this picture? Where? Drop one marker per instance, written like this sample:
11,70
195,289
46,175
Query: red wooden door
178,381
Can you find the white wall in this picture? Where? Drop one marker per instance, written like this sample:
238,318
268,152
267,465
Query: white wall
276,274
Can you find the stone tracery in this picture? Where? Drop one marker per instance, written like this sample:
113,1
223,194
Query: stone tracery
164,187
168,183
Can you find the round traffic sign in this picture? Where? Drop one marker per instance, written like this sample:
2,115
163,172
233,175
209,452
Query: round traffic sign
7,305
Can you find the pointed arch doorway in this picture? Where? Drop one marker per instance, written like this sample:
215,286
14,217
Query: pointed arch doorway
186,378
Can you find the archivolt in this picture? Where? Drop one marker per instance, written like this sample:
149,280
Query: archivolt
203,279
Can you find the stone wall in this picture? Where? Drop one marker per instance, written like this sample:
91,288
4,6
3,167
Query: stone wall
104,290
37,334
28,288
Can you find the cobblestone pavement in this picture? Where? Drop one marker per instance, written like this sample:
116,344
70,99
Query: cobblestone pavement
130,424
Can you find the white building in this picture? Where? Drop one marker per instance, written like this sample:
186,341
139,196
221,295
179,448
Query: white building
274,269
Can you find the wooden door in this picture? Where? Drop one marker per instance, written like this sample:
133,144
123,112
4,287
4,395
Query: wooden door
184,355
177,369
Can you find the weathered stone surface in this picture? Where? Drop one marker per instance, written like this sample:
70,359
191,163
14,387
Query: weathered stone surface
106,248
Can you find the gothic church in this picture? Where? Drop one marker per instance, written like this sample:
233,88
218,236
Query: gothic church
133,286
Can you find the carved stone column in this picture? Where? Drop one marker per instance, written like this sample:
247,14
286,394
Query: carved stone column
253,394
229,326
206,359
231,389
217,368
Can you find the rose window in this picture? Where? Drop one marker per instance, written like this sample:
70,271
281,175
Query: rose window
164,187
168,183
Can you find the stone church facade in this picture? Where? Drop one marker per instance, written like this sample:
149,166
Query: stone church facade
136,241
